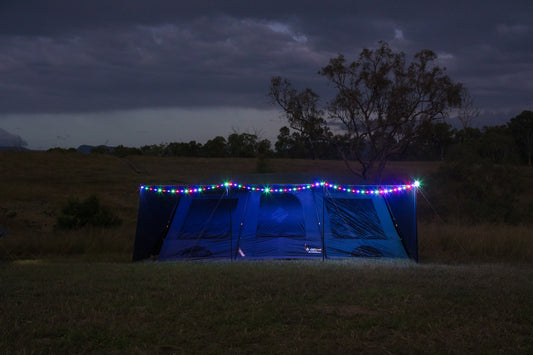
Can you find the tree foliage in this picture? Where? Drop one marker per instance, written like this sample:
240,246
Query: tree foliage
382,105
302,111
522,129
242,145
215,148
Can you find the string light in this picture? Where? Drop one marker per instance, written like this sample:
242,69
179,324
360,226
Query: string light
281,188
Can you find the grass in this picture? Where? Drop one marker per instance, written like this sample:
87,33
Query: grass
265,307
77,292
483,243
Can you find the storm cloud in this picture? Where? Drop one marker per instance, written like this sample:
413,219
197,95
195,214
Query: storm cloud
10,140
60,57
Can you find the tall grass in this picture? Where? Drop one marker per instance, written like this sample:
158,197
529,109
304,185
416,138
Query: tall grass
88,243
460,243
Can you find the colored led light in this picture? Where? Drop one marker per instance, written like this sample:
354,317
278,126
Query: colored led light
373,190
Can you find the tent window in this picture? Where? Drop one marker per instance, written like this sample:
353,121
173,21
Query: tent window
280,215
208,219
354,219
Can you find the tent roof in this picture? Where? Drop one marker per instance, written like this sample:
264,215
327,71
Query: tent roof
285,178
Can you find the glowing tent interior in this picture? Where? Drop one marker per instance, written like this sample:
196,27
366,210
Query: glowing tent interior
315,220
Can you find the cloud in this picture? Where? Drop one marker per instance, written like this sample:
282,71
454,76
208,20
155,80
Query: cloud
97,56
514,30
285,29
207,61
11,140
398,34
445,56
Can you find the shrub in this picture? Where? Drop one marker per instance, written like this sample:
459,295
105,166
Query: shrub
477,191
77,214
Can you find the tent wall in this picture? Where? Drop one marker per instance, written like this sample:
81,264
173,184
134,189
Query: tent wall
311,224
280,225
402,208
155,212
359,227
204,226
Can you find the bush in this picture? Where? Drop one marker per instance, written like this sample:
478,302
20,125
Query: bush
77,214
475,191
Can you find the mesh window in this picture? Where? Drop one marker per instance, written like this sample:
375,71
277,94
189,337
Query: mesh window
354,219
280,215
208,219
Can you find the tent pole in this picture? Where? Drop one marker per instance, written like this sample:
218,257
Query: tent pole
230,235
324,256
415,227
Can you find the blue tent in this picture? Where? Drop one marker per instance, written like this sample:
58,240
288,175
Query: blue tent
282,221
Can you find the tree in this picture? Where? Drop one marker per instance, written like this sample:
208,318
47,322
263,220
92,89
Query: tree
522,129
122,151
101,149
302,112
382,105
154,149
433,144
467,111
263,148
497,145
215,147
292,145
242,145
284,143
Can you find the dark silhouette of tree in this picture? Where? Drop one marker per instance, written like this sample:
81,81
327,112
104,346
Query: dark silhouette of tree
175,149
497,145
432,144
122,151
242,145
284,143
382,105
263,148
292,145
216,147
302,112
101,149
467,111
522,130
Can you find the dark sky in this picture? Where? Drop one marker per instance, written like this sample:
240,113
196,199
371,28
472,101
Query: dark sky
145,72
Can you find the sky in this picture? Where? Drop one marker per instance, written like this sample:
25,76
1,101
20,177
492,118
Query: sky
136,73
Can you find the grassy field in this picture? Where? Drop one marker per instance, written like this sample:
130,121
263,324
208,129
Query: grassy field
265,307
77,292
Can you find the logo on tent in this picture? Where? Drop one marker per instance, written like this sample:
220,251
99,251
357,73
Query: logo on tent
313,250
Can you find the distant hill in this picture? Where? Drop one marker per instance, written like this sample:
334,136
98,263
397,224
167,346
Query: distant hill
13,148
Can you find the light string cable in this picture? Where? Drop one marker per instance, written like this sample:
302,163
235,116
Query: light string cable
354,189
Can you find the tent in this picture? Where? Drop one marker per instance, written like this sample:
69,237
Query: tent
315,220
